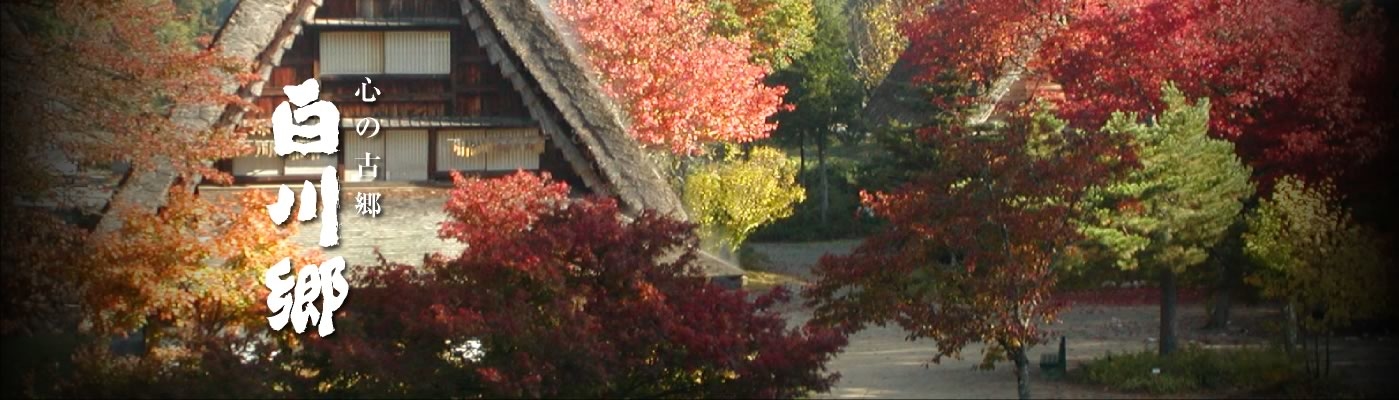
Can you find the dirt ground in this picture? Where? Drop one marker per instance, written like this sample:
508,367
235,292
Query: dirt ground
404,231
880,363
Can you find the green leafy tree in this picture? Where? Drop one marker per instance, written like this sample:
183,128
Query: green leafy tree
826,96
781,30
878,41
732,198
1165,215
1327,269
821,84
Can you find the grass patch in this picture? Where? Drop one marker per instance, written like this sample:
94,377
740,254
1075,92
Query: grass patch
1193,369
761,281
757,276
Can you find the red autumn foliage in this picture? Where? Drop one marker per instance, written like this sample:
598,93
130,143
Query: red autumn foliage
976,39
565,299
1287,80
102,84
682,86
187,272
969,251
90,86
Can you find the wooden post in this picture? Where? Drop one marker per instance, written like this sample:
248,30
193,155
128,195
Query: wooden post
1064,353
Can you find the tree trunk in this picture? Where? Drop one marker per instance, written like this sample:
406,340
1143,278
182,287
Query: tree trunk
1228,259
1306,357
825,184
1230,274
1168,312
1290,331
1327,371
1219,314
1309,351
1022,373
801,149
682,164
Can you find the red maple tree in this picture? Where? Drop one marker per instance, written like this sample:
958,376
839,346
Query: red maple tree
1288,80
89,87
560,297
1285,78
971,245
682,86
101,85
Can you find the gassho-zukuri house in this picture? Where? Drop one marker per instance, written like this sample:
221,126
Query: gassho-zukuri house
483,87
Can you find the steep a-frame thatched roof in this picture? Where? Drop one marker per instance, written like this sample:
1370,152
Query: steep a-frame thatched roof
896,100
258,23
524,39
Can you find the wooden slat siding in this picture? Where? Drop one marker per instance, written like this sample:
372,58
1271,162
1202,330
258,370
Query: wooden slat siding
257,166
306,165
418,52
474,87
470,105
448,161
490,160
349,53
355,147
405,157
455,82
295,66
368,9
510,160
282,76
339,9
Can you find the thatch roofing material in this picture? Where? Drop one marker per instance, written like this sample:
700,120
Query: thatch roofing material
250,28
896,100
533,36
524,39
544,58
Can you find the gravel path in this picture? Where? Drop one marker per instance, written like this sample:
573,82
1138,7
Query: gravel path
880,363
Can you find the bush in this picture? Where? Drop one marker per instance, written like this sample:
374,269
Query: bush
554,297
730,199
1191,369
559,297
